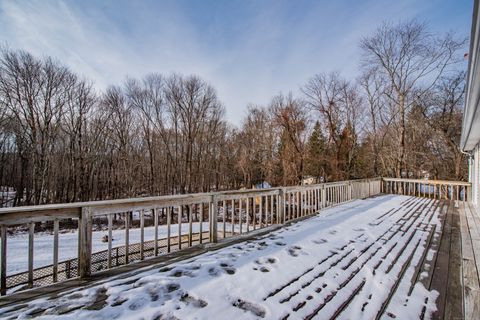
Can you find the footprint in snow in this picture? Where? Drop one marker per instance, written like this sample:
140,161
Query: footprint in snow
294,251
118,302
224,268
262,245
265,261
137,304
270,260
180,273
261,269
228,268
275,237
172,287
214,272
157,292
195,302
165,269
161,316
194,267
256,309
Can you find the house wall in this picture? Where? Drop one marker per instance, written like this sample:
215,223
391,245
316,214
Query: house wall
474,175
470,140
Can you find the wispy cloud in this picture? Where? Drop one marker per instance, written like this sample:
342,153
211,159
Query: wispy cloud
249,50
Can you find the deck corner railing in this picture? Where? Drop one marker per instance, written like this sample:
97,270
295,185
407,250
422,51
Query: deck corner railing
435,189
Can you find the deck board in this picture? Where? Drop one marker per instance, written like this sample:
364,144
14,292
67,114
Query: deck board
441,269
471,282
454,299
427,266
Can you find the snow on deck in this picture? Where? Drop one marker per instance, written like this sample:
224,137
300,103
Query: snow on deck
346,262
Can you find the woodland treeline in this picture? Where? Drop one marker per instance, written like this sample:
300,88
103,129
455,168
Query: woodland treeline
61,140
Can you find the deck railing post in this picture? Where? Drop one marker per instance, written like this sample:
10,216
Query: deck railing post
281,206
213,219
85,243
3,263
324,197
127,236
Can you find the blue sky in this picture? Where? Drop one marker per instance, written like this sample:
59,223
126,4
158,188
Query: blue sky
248,50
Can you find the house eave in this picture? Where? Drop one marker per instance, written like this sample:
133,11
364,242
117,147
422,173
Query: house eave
471,116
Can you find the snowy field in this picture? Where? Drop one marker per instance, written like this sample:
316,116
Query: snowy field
17,252
341,263
7,195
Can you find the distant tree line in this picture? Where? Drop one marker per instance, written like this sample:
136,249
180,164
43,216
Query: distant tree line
63,141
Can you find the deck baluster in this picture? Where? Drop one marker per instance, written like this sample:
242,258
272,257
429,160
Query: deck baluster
190,227
127,235
155,225
169,221
109,254
240,214
247,213
179,221
201,223
142,233
3,262
55,249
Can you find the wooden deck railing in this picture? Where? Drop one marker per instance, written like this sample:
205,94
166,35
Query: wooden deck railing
168,223
178,222
435,189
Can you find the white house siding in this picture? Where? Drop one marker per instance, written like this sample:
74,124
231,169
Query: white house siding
475,176
470,140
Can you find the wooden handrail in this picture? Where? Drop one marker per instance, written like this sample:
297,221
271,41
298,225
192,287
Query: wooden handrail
73,210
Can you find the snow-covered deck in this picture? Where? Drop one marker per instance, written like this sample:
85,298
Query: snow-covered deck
385,257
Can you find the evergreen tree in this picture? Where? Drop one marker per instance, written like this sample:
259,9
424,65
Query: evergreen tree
316,163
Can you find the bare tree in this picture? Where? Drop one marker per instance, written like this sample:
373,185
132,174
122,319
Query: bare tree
34,92
340,108
257,141
408,56
442,112
290,115
62,141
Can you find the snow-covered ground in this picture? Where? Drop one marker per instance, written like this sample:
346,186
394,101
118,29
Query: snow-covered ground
343,262
6,196
17,252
